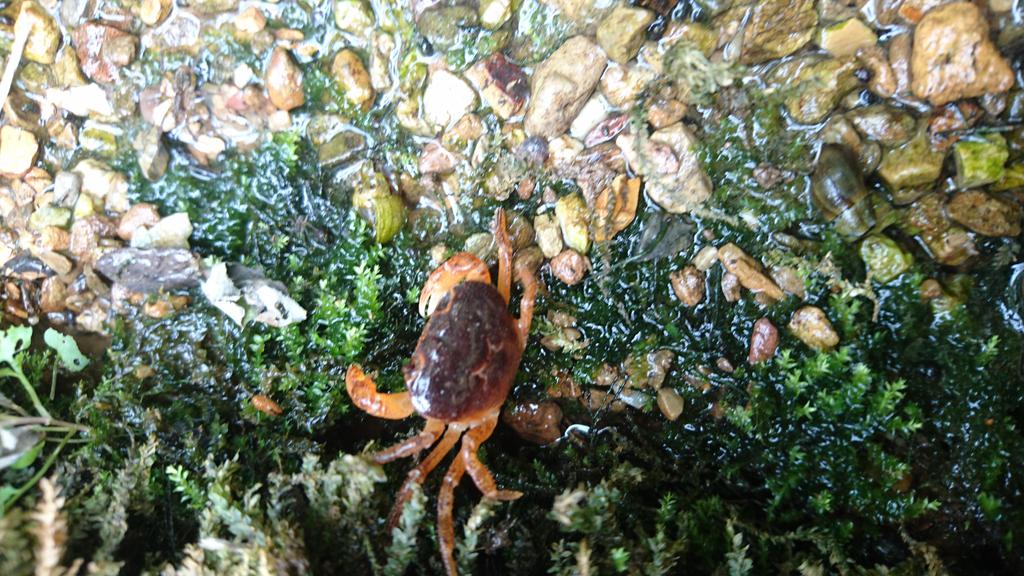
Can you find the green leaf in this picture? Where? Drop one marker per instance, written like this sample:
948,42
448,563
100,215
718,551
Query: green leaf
67,349
26,459
12,341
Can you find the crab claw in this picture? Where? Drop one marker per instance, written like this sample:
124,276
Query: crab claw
460,268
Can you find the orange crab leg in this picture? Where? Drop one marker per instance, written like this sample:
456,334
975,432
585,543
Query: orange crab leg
478,470
363,392
459,268
504,256
445,524
418,474
418,443
526,304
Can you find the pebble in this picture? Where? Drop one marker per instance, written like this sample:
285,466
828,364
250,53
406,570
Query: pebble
730,287
502,84
353,79
622,32
749,272
688,285
170,232
284,81
812,327
537,422
561,85
18,150
571,212
447,99
670,403
153,12
764,341
103,51
569,266
138,216
548,234
251,20
985,213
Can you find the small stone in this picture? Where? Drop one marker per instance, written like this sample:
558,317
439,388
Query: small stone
664,112
353,16
44,35
986,213
771,29
98,179
748,272
52,295
622,32
49,215
947,243
447,99
58,263
353,79
153,12
537,422
563,151
284,81
548,234
494,13
688,285
615,207
815,86
884,124
18,149
141,215
846,38
502,84
170,232
764,340
980,160
572,214
103,51
251,20
464,133
622,83
561,86
66,188
592,114
435,159
676,180
152,155
789,280
912,164
53,238
812,327
884,259
954,58
569,266
730,287
670,403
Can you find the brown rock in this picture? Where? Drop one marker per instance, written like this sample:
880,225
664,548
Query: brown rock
614,208
137,216
948,243
812,327
670,403
18,149
436,160
569,266
250,20
501,84
53,238
985,213
284,81
730,287
748,271
954,58
538,422
561,86
52,295
153,12
353,79
103,51
774,28
764,340
688,285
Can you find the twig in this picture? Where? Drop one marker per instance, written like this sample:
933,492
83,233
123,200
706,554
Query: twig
22,28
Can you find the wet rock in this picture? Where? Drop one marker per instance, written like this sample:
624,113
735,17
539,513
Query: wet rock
537,422
593,113
676,181
663,112
947,243
846,38
980,160
572,214
494,13
353,16
764,341
615,207
883,81
66,187
774,28
789,280
56,262
884,124
812,327
730,285
44,35
141,215
251,20
670,403
815,86
353,79
563,151
153,12
180,32
569,266
103,51
502,84
284,81
99,180
84,101
447,99
150,271
548,234
152,155
622,32
336,142
18,150
985,213
381,54
954,58
49,215
533,151
211,6
170,232
52,295
622,83
561,86
435,159
74,12
688,285
884,259
706,258
748,272
912,164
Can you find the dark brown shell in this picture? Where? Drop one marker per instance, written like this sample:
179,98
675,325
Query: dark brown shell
467,357
839,193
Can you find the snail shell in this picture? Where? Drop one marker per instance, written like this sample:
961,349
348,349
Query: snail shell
839,193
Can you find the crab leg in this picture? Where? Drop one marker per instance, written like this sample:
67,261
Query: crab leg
526,304
418,443
478,470
504,256
418,474
445,524
459,268
363,391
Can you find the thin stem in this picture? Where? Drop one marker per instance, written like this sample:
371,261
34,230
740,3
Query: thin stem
53,379
36,420
4,506
16,372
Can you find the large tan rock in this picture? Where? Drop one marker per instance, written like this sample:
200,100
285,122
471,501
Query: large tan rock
954,57
561,86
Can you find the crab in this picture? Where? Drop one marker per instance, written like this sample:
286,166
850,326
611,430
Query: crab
458,378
